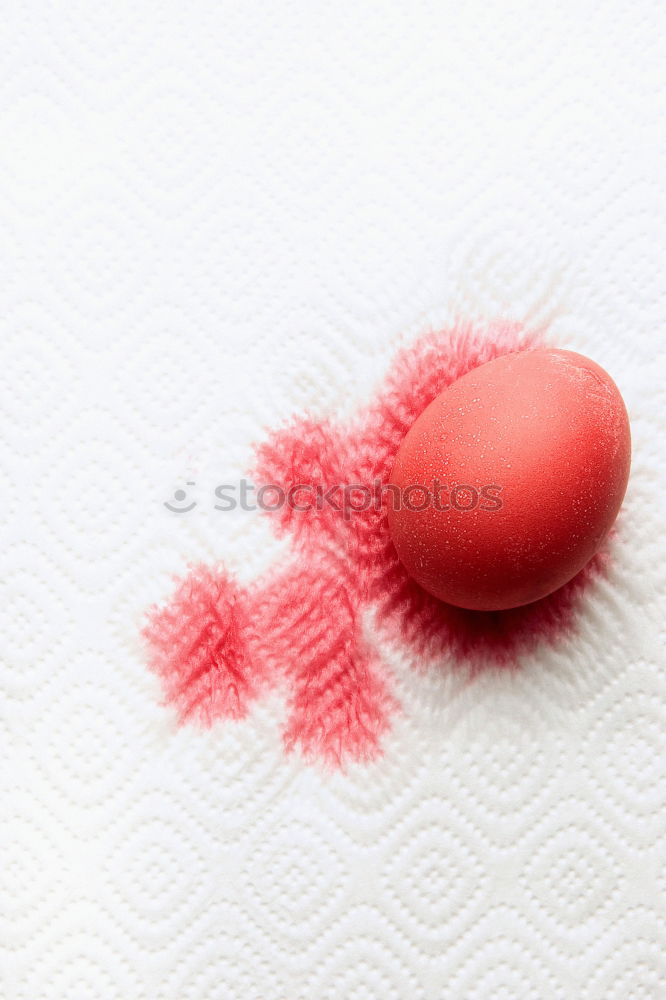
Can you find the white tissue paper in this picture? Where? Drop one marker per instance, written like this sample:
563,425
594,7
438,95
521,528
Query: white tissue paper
217,215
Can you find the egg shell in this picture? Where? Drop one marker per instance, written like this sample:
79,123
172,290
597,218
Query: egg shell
531,452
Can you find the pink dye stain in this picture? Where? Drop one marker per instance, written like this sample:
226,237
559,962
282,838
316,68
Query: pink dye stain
218,645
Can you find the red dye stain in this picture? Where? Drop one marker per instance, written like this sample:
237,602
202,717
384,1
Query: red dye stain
217,645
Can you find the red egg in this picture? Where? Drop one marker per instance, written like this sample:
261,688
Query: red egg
510,479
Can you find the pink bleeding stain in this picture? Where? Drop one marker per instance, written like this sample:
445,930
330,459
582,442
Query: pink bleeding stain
218,645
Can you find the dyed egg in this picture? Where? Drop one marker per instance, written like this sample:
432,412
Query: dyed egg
509,481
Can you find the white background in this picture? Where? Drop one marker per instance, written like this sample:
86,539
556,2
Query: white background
214,215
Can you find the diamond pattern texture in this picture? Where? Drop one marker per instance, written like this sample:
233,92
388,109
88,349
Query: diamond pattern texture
217,215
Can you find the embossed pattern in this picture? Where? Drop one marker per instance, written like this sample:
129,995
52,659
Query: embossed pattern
214,217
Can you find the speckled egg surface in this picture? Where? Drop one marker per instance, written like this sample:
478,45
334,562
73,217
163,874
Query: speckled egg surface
510,480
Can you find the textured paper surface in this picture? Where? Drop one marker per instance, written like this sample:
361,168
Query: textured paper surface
214,216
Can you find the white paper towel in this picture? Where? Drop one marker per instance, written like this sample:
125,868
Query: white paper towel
216,215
